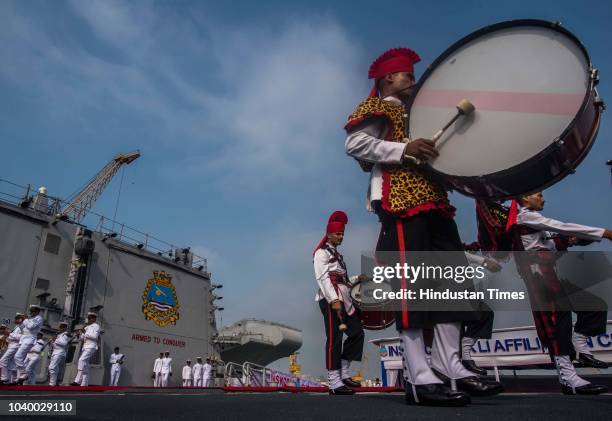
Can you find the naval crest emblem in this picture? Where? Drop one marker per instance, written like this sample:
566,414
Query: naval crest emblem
159,300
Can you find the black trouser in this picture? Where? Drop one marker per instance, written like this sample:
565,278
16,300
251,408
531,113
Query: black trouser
334,349
481,328
554,326
426,231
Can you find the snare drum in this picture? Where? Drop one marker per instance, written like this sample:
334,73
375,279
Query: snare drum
537,109
375,314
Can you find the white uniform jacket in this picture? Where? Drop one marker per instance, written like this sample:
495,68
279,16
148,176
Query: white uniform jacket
326,266
116,358
38,346
541,237
166,365
157,365
30,328
14,336
196,371
60,344
186,372
90,336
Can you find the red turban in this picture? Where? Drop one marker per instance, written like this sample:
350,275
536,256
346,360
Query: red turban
392,61
335,223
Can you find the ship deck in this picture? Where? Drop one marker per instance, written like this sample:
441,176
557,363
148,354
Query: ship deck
539,401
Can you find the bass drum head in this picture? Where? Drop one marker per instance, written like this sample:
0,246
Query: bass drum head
528,81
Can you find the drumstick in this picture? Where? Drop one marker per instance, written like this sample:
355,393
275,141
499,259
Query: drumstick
464,107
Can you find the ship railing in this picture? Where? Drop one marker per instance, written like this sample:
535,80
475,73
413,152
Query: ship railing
255,374
131,236
234,375
28,197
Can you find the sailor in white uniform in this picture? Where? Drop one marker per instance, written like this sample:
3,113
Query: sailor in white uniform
29,331
89,335
157,370
32,360
197,372
60,346
116,361
187,374
166,369
7,362
3,335
206,373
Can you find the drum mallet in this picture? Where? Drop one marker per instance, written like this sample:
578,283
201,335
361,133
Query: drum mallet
464,108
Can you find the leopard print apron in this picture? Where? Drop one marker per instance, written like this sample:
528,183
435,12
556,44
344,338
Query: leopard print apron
406,189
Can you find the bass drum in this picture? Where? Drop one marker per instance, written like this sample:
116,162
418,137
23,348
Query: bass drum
375,314
537,110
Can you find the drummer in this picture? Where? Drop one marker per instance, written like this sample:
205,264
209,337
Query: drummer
337,307
536,232
415,214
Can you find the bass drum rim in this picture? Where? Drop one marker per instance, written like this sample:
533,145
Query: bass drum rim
550,164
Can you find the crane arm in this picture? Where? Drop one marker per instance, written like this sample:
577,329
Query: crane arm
84,200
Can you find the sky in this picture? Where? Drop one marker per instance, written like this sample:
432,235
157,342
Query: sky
238,110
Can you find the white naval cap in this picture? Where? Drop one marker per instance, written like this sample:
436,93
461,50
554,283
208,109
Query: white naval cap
34,306
3,326
92,314
19,315
188,361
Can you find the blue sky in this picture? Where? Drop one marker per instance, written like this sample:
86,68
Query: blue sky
237,109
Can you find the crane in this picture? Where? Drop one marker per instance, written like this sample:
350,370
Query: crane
80,204
294,367
77,208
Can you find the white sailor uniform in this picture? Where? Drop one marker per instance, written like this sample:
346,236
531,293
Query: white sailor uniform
90,346
7,362
115,361
206,374
60,346
157,372
32,360
186,374
166,370
29,331
196,372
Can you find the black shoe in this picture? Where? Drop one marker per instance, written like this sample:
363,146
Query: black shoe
350,382
587,389
342,390
74,384
471,365
587,360
479,387
435,395
20,382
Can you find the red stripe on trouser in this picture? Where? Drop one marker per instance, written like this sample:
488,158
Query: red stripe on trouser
545,321
330,339
402,249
